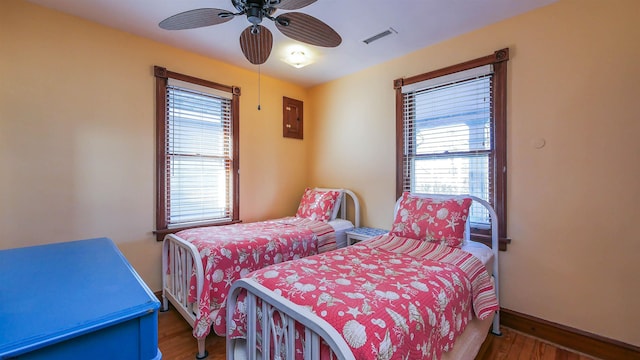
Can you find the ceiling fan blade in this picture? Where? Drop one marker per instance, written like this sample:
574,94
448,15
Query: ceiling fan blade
256,46
290,4
196,18
308,29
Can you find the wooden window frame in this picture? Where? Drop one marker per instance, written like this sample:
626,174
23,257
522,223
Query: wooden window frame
162,75
499,61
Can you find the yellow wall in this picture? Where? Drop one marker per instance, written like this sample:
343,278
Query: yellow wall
77,134
574,76
77,146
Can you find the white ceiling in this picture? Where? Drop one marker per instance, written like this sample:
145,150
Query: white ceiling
418,23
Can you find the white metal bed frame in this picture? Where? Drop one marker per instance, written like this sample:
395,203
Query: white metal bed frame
315,328
181,258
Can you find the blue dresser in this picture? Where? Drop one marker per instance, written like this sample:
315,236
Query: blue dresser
75,300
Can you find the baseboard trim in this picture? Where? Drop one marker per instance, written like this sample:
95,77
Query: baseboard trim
578,340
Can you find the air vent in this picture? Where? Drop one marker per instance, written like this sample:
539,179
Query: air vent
379,36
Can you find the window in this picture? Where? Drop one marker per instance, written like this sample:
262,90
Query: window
451,136
197,152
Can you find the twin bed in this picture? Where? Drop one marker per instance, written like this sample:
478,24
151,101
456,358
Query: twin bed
199,265
424,290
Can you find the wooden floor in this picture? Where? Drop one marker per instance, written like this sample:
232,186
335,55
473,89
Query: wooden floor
516,345
177,343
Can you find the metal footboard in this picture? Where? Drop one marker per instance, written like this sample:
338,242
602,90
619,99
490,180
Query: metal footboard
180,260
275,320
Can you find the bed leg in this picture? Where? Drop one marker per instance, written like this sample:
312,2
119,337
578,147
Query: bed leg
165,303
496,325
202,352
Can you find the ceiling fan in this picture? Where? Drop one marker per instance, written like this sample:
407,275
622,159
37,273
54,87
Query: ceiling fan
256,40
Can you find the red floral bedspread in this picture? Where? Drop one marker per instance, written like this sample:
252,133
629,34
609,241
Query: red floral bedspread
390,297
233,251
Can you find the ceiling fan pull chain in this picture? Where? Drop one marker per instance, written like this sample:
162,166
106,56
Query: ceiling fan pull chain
259,74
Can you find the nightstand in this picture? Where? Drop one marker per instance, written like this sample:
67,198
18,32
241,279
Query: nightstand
362,233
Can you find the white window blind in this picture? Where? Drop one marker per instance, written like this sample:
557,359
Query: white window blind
448,139
198,154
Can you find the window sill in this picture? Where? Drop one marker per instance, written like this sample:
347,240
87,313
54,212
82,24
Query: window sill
160,234
486,239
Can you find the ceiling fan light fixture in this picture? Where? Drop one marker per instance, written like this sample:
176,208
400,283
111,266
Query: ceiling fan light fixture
297,59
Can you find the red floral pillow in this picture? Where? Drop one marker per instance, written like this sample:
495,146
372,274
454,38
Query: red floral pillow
317,205
435,220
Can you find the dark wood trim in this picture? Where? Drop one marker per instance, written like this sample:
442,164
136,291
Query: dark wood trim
158,294
235,127
497,57
581,341
500,153
499,191
161,72
162,75
161,105
399,138
486,239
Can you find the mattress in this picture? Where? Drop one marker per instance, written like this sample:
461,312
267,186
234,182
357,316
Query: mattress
482,252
